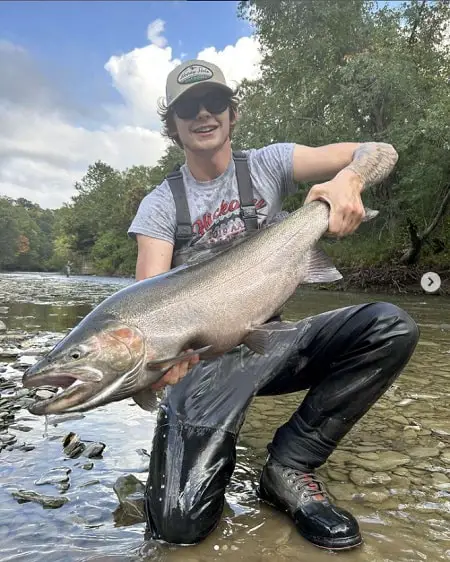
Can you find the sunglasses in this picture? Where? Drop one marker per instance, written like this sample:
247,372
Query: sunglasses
188,107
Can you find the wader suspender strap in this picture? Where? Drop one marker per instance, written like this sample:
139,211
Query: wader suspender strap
248,210
183,234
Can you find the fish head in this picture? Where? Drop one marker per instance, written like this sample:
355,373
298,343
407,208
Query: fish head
90,365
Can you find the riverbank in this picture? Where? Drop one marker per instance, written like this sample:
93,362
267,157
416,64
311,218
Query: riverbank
389,279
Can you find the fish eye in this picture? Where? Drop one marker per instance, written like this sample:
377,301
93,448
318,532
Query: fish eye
75,354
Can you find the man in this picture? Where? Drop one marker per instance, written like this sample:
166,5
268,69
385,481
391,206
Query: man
347,358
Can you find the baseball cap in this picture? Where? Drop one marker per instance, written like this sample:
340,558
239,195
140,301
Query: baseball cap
190,74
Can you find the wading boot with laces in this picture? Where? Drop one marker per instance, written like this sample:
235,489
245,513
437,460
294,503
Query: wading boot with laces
303,496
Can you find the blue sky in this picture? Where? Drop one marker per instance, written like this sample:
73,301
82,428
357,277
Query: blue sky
71,41
80,81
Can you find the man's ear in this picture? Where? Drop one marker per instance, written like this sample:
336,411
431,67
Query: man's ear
234,117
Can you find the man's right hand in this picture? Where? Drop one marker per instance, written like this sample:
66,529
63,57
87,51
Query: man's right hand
176,373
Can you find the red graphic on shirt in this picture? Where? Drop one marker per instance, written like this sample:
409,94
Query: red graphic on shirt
204,223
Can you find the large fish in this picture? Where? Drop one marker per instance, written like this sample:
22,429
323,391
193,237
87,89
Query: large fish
134,336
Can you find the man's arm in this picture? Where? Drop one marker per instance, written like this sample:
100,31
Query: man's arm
154,256
371,161
349,169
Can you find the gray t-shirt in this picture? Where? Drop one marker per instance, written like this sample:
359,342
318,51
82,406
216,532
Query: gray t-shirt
214,205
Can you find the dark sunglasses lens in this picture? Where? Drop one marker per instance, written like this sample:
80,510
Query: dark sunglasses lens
214,102
187,108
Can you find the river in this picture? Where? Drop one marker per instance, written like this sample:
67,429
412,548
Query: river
392,471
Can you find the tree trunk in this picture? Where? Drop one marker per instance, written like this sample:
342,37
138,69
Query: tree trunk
411,256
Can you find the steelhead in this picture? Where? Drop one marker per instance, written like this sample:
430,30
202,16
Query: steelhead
134,336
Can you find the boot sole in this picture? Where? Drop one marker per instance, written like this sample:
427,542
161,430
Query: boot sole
323,546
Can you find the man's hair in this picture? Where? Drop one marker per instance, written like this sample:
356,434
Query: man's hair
169,129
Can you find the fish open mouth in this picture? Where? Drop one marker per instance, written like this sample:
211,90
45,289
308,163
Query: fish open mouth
72,390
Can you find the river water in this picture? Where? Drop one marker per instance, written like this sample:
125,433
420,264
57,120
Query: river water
392,471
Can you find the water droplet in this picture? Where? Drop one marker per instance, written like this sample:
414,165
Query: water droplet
216,547
160,499
163,486
164,435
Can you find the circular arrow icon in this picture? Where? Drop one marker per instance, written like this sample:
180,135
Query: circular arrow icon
430,282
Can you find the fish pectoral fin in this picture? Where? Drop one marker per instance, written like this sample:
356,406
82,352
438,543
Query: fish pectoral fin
320,268
257,340
146,399
166,363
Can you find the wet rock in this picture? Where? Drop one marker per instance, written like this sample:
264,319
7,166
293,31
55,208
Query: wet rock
58,477
88,466
423,452
399,419
445,456
7,438
376,496
48,502
44,394
89,483
362,477
2,327
387,460
342,492
338,475
130,493
93,450
74,447
439,478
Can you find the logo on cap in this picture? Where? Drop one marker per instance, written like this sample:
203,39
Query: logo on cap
194,73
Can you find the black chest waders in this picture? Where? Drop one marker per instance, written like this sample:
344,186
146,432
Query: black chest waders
347,358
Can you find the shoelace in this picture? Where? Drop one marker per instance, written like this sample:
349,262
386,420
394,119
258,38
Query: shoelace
306,482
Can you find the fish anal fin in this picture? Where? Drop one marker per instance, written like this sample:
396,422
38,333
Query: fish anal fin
320,268
146,399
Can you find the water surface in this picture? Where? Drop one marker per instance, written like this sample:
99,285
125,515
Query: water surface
403,511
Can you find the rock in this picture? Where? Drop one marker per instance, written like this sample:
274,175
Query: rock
362,477
342,492
338,475
58,477
423,452
439,478
369,456
399,419
48,502
44,394
88,466
2,327
387,460
376,496
130,493
93,450
445,456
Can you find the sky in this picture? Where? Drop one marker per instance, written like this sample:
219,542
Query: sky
80,81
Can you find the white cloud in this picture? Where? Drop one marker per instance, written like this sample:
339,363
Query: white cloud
154,31
43,151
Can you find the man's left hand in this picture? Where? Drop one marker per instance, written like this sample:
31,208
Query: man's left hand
343,194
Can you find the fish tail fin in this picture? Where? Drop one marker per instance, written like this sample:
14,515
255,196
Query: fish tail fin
370,214
320,268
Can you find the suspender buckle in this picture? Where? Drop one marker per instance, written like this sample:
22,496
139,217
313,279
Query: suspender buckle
248,212
184,232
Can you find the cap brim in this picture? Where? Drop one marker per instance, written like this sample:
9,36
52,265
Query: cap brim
199,84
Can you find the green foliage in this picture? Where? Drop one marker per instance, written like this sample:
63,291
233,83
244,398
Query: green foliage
331,71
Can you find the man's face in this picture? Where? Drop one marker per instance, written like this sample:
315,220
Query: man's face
202,118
